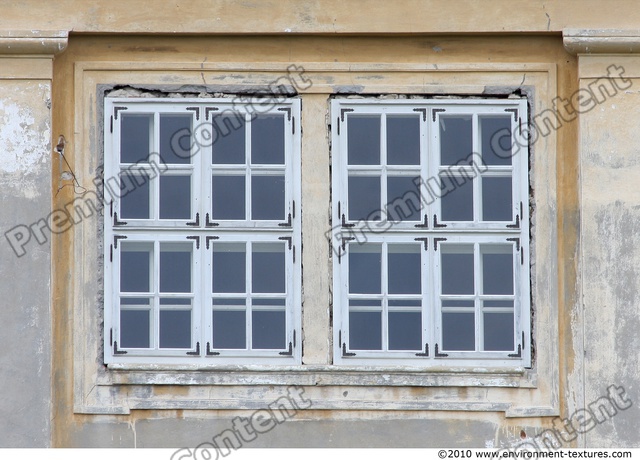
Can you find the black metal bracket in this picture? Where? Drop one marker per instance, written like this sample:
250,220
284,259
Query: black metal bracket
196,110
346,238
345,224
208,223
207,110
197,239
116,222
515,113
286,238
517,224
209,238
117,109
426,351
436,224
342,112
435,111
211,353
116,351
424,224
118,237
424,113
195,353
440,355
196,223
517,240
344,350
516,355
287,223
426,242
288,352
435,246
286,109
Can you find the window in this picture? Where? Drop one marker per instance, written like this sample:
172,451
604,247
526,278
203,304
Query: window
201,232
431,232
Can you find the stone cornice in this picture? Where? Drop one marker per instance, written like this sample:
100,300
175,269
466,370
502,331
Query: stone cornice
33,42
601,41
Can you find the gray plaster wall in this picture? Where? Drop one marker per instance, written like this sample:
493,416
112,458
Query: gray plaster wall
25,197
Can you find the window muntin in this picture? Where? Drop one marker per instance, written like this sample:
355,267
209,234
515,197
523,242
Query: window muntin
431,246
186,183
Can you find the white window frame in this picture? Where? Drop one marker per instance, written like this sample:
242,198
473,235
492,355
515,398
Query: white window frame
200,230
431,230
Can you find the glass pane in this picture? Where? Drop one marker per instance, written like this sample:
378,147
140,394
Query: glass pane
365,330
457,269
455,139
403,140
229,267
135,137
134,192
267,198
268,267
498,304
134,329
135,271
457,198
458,331
135,301
228,137
363,140
365,268
267,139
455,303
364,197
175,267
403,199
404,268
175,328
497,269
268,330
365,303
228,197
271,302
174,301
404,303
176,139
498,332
229,329
405,330
496,199
496,140
175,197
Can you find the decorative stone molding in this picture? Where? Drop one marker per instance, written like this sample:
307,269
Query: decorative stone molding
29,42
606,41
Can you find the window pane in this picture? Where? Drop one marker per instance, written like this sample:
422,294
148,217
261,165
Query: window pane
228,137
229,329
497,269
175,328
496,199
268,267
135,137
134,329
176,138
365,330
456,303
365,268
229,267
175,268
363,140
455,139
364,197
496,139
405,330
403,199
269,330
228,197
457,198
457,269
134,192
458,331
267,139
175,197
135,263
498,331
267,198
403,140
404,269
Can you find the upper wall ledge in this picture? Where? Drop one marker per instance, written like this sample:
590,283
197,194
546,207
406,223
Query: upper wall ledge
605,41
47,42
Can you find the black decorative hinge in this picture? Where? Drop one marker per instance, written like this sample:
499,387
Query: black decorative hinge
426,351
196,238
426,242
208,223
436,224
287,223
211,353
424,113
515,113
435,246
344,351
117,109
196,110
111,336
196,223
516,355
517,241
345,224
207,110
435,111
289,352
195,353
517,224
286,238
116,351
440,355
209,238
342,112
286,109
118,237
424,224
116,222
